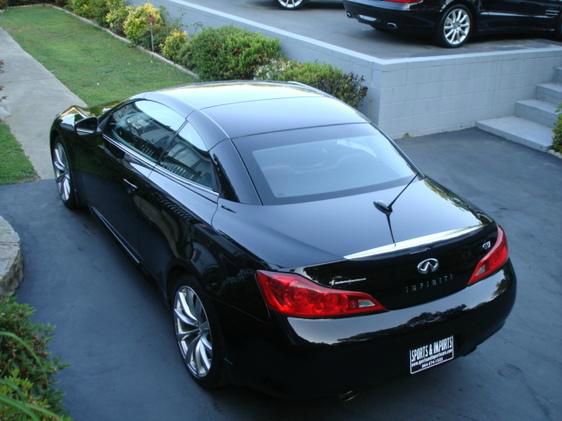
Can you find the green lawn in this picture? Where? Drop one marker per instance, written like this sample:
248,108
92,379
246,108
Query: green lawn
94,65
14,165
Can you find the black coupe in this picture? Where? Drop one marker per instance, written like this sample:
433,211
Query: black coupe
299,249
453,22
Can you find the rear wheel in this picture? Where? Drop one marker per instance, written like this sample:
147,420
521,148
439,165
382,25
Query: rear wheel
455,26
63,175
290,4
198,334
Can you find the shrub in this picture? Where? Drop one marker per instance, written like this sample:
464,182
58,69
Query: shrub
3,4
99,10
116,15
82,7
557,135
144,26
174,44
231,53
347,87
26,371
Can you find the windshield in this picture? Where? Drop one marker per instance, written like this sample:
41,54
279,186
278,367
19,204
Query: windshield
322,162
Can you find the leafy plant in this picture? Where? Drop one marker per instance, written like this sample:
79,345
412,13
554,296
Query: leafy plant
231,53
348,87
116,15
174,44
82,7
557,133
3,4
99,10
26,371
144,24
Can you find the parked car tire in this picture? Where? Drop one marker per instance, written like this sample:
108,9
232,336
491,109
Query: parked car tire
455,26
198,334
63,175
290,4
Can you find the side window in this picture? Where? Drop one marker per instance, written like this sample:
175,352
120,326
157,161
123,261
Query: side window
145,126
188,158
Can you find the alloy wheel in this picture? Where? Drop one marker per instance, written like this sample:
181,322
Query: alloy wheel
193,332
456,26
290,4
62,172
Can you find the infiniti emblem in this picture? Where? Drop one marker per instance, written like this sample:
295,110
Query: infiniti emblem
428,265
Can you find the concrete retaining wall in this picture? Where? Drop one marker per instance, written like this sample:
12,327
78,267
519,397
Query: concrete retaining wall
414,96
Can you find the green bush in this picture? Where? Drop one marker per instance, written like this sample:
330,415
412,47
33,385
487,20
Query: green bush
26,371
231,53
100,9
347,87
3,4
145,26
174,45
557,135
82,8
116,15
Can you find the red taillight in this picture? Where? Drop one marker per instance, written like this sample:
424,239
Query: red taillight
493,261
294,295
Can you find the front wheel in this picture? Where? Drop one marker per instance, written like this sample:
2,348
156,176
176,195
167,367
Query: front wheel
198,334
455,26
290,4
63,175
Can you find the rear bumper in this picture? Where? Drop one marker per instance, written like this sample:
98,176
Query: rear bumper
404,17
307,358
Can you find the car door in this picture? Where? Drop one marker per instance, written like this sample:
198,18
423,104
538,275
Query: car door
181,207
132,140
518,15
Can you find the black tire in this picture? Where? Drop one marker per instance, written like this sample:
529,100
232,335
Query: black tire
64,178
215,377
290,4
440,33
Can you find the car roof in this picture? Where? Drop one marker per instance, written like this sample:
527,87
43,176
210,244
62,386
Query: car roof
245,108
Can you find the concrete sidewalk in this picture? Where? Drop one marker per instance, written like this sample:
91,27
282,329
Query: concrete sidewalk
34,97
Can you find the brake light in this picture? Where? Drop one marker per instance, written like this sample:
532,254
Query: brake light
493,261
294,295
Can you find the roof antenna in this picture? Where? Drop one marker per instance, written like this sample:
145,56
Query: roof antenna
387,209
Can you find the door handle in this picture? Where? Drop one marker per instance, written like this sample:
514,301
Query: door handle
131,188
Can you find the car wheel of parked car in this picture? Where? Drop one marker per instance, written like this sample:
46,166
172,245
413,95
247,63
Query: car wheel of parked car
198,334
63,175
291,4
455,26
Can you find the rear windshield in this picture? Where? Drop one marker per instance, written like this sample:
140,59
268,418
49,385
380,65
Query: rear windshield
322,162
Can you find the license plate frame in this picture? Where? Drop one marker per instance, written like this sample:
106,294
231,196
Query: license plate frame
431,354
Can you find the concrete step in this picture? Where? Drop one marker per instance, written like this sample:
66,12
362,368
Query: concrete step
541,112
550,92
519,130
558,74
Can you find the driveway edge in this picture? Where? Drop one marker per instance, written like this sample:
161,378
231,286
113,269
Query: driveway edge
11,261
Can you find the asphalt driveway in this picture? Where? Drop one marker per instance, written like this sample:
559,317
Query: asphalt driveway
114,331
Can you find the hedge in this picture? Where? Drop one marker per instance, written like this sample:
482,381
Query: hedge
557,134
228,53
345,86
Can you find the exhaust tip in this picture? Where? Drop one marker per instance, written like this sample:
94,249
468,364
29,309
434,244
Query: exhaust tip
392,26
348,14
348,395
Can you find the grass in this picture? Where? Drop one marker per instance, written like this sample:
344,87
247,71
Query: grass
91,63
14,165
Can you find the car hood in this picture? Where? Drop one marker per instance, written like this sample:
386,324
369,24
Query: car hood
302,234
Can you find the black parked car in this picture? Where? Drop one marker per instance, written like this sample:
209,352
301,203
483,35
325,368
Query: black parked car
299,249
453,22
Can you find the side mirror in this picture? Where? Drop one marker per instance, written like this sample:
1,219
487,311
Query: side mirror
86,127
